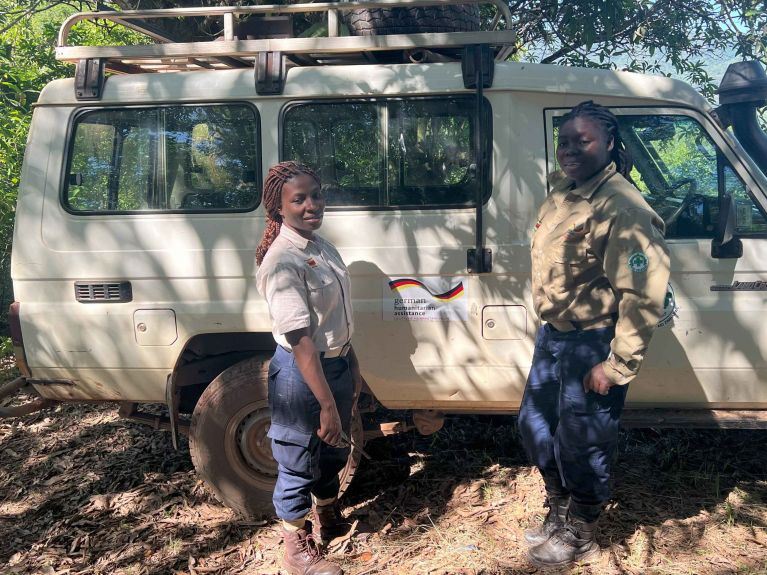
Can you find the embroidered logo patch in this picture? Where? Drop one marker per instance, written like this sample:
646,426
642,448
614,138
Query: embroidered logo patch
669,307
638,262
311,263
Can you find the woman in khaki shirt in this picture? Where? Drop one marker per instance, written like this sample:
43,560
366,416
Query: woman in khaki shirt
314,376
600,269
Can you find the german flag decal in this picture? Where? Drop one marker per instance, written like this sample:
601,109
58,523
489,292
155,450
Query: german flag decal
450,295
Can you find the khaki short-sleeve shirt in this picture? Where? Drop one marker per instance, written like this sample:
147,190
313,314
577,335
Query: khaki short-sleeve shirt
306,285
598,255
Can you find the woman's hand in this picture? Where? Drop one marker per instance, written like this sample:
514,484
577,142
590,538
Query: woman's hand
330,425
596,380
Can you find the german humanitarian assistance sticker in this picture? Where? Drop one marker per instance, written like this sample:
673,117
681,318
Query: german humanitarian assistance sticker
638,262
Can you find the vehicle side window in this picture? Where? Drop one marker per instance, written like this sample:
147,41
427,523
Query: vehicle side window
390,153
174,158
749,221
340,141
676,166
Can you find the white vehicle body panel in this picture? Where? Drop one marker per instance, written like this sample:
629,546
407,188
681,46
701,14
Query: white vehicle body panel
200,266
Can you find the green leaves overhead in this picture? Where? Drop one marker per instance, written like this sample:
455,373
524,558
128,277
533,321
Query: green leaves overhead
681,37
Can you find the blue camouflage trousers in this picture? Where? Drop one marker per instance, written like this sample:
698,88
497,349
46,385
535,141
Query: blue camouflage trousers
571,435
306,465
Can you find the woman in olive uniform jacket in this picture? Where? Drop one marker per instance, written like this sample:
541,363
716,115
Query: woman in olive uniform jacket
314,376
600,269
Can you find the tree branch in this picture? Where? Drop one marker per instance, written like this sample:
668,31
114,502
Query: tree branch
21,16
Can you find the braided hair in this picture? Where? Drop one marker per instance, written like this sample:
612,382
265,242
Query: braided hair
606,120
272,198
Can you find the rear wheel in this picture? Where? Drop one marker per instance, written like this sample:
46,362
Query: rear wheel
229,444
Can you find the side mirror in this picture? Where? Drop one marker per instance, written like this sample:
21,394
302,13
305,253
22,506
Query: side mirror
725,245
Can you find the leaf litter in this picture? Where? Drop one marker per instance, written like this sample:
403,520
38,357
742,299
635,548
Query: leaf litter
83,492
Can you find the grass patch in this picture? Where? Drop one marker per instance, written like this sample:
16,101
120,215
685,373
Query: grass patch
8,369
6,347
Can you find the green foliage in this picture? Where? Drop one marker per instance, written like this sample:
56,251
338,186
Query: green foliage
6,347
680,37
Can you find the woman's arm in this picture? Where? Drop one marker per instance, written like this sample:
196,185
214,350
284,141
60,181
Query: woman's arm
308,361
636,263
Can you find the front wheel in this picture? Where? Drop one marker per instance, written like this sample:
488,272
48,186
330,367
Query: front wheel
229,444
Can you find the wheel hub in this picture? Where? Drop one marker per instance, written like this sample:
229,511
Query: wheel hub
254,445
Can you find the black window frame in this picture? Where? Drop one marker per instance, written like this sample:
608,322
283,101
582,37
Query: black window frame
70,142
486,125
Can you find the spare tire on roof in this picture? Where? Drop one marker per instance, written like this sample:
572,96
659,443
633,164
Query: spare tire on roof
442,18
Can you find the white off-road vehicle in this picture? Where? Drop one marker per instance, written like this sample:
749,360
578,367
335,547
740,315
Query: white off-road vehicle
139,214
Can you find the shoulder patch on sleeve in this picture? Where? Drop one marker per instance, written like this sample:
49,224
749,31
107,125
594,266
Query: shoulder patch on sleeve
638,262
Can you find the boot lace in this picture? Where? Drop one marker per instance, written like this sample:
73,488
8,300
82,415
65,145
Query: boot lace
569,535
308,546
566,535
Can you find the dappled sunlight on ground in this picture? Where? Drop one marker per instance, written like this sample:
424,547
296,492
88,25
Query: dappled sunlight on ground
84,492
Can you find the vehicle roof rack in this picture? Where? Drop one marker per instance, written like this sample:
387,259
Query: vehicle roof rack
228,52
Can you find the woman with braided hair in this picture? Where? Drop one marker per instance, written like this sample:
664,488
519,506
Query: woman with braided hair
600,267
314,376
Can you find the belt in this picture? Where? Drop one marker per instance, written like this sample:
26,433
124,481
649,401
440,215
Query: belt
331,353
336,352
567,325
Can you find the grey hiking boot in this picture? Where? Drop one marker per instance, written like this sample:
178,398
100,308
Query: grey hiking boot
555,518
574,541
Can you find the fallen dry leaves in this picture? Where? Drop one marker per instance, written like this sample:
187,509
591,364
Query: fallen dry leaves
84,493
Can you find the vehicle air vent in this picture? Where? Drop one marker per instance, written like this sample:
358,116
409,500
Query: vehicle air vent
101,292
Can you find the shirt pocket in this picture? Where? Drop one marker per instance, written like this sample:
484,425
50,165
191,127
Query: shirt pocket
565,262
318,280
280,396
319,287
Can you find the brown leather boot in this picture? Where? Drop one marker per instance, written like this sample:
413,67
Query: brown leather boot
329,523
304,557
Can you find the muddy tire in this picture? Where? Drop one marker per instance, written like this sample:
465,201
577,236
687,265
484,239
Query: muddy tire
228,442
451,18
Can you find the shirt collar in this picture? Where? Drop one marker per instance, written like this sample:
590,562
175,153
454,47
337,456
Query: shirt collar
294,237
561,183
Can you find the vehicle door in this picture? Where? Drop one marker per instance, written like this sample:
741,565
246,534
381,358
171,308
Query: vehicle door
400,179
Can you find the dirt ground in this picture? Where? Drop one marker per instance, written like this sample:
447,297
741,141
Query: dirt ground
84,492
